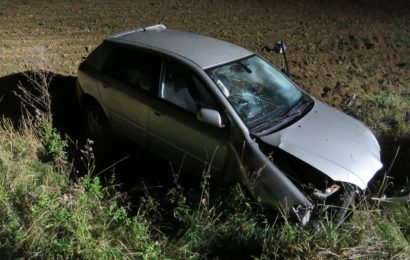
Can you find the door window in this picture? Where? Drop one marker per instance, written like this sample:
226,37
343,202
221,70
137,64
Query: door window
184,89
133,67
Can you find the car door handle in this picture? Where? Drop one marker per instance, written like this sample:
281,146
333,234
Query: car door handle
158,112
105,84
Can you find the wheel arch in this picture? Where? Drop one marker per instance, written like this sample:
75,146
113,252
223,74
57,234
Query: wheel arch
89,100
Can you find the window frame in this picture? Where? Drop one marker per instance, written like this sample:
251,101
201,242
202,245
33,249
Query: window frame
201,81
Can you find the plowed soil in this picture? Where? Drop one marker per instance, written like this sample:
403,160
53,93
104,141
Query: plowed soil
337,50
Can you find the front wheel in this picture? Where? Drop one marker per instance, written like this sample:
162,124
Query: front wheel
346,201
339,206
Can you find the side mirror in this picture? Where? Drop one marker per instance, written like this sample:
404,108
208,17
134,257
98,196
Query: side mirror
210,117
280,48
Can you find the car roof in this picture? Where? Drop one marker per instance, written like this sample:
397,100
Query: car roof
204,51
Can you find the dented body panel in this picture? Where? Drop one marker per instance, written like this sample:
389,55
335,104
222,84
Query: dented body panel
333,142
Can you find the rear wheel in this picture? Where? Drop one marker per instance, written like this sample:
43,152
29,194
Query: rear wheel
97,124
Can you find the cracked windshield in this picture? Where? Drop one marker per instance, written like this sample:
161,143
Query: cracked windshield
256,90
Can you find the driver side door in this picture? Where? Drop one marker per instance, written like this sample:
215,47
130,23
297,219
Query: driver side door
174,130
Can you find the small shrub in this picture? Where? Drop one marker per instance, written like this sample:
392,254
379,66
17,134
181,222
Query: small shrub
53,143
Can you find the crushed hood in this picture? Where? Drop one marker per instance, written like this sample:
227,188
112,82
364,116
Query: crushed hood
334,143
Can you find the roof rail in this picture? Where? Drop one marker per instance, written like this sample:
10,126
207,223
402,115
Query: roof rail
156,27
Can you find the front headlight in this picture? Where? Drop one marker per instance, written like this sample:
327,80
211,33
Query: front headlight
327,192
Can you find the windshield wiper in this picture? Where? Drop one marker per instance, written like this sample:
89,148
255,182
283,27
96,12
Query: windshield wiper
300,108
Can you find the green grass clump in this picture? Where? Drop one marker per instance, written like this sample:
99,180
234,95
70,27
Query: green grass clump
385,112
45,214
237,232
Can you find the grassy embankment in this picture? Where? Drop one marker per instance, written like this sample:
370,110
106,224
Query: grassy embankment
45,213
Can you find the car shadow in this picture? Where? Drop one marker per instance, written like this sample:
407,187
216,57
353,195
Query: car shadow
64,105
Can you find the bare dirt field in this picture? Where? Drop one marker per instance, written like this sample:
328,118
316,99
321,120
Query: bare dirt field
354,55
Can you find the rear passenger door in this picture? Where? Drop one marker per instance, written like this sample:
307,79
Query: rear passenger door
174,130
128,86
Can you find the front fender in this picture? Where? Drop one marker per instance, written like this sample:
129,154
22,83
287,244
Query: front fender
266,182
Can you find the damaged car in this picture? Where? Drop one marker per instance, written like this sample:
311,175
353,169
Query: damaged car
202,102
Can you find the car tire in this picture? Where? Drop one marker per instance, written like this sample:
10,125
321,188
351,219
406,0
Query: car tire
97,124
346,201
338,208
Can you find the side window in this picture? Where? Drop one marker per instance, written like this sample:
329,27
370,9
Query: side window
184,89
133,67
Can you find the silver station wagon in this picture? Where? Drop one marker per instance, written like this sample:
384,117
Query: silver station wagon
206,103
